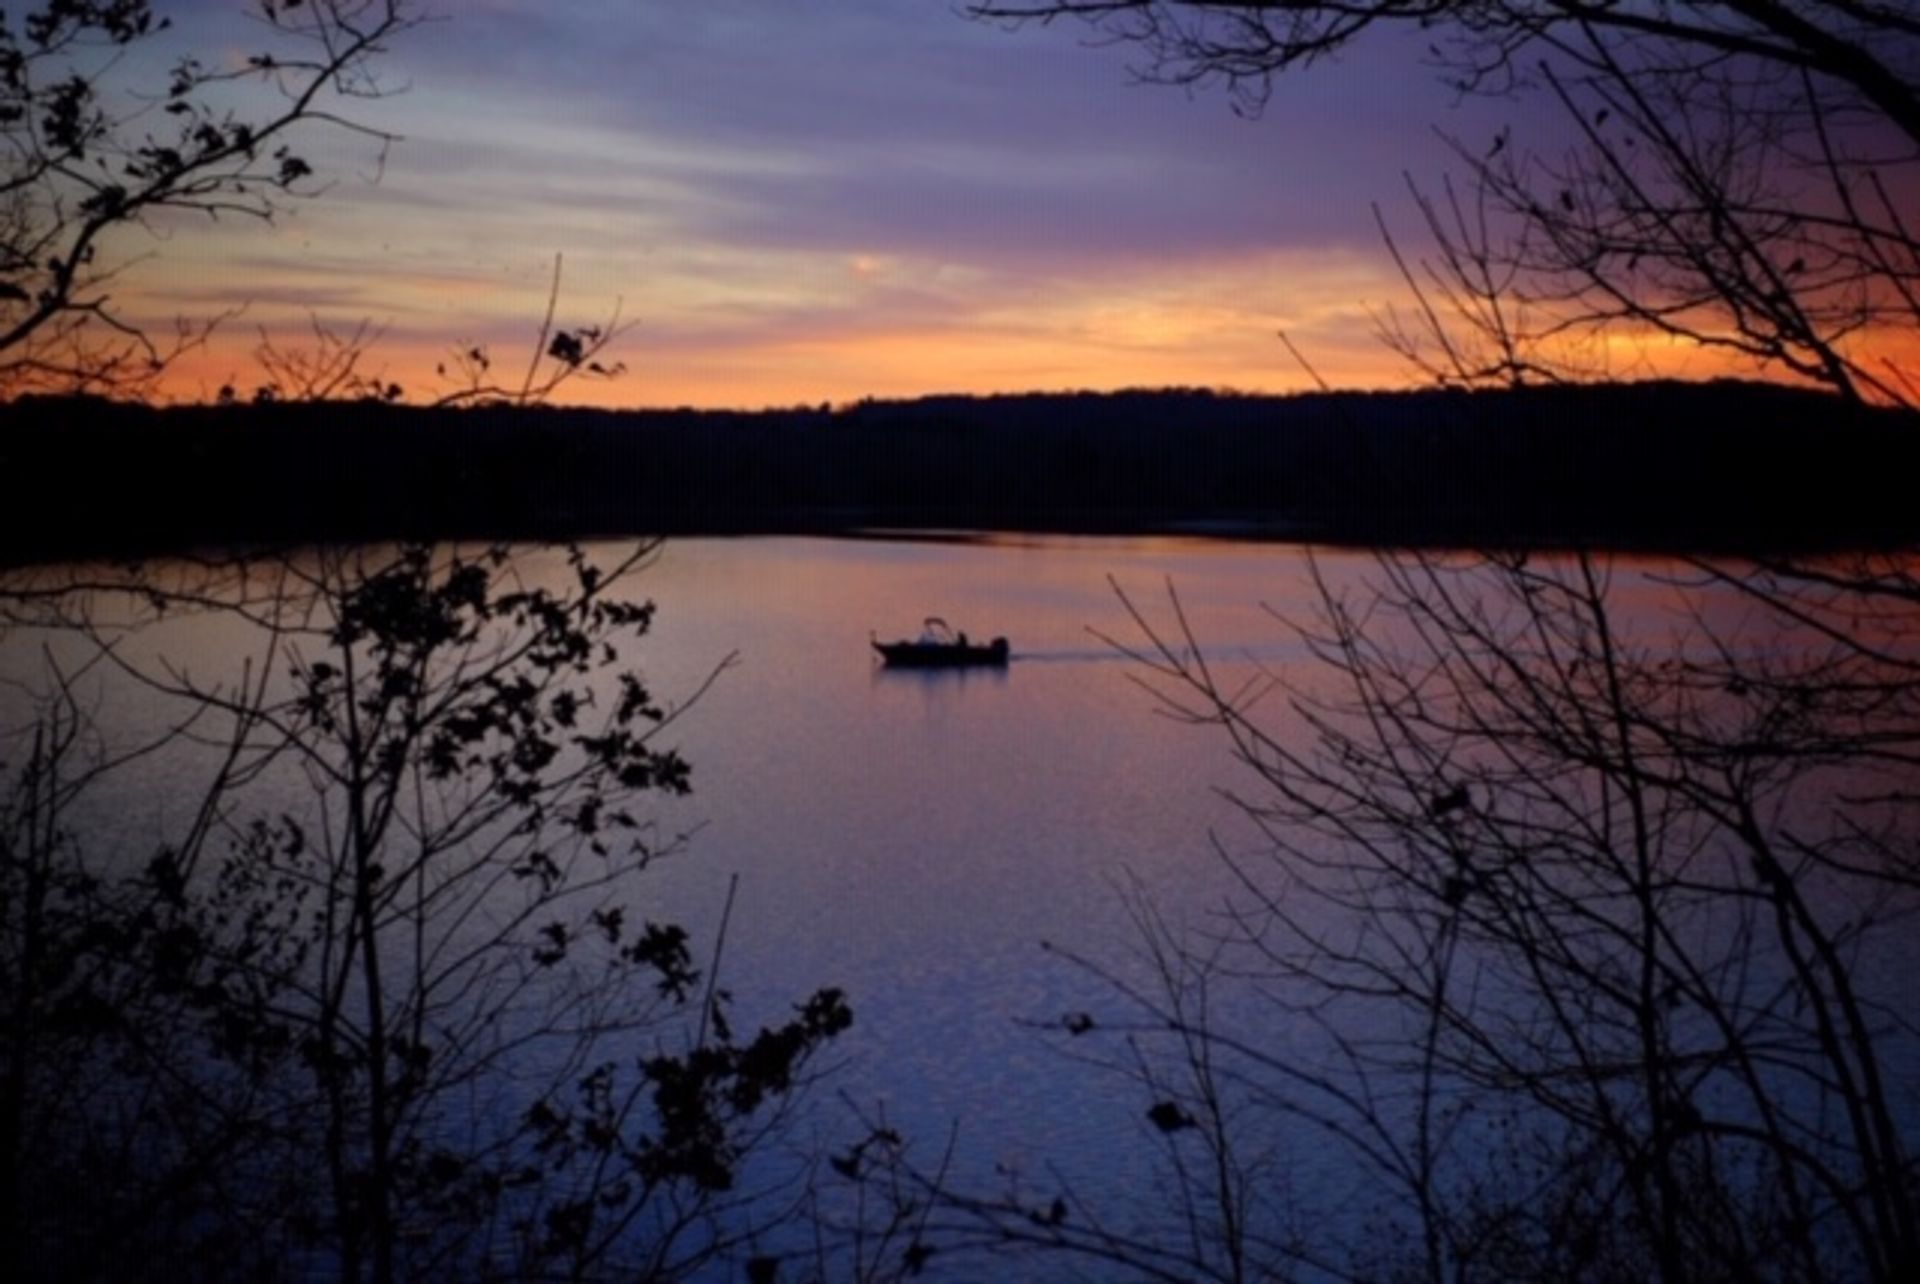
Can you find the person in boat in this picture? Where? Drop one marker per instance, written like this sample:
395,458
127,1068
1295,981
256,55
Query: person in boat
939,646
937,633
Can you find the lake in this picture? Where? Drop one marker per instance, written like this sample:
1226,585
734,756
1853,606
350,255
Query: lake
910,837
935,843
915,836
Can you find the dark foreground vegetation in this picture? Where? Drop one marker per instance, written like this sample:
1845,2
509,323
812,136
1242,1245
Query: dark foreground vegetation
393,1003
1582,948
1564,942
1582,941
1678,466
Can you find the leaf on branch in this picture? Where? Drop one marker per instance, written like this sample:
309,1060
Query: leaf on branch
554,949
1055,1214
1167,1116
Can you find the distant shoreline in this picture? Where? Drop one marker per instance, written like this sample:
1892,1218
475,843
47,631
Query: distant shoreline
1714,467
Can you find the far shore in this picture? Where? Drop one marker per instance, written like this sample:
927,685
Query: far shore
1713,467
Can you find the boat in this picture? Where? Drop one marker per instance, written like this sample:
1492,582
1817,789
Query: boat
939,647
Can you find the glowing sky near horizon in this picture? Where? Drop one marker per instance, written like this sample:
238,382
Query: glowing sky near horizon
807,203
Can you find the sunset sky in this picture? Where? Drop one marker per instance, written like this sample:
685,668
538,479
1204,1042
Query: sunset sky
806,203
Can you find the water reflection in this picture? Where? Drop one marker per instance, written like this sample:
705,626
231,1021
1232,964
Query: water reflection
939,678
913,836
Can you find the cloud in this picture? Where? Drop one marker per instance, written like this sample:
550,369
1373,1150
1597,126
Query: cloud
783,187
898,124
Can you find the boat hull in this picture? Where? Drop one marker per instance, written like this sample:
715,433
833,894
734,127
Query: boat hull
942,655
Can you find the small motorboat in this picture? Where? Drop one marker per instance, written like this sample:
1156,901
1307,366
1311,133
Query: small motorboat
939,647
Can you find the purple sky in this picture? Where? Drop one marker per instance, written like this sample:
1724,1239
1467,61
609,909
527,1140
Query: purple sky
819,201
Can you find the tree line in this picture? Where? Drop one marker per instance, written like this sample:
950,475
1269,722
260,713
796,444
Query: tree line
1643,465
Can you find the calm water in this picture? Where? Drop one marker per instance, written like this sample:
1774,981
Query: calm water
914,838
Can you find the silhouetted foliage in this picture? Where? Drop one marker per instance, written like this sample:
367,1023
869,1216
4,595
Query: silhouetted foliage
579,353
1579,940
1739,177
89,152
383,1010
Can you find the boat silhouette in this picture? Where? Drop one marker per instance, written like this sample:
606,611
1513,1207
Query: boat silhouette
939,647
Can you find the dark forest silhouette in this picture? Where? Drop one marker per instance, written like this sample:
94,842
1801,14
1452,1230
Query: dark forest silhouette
1697,466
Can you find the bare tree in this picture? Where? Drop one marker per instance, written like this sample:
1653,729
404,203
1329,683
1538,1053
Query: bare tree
88,154
1739,177
559,356
1600,925
339,364
385,1007
1572,945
